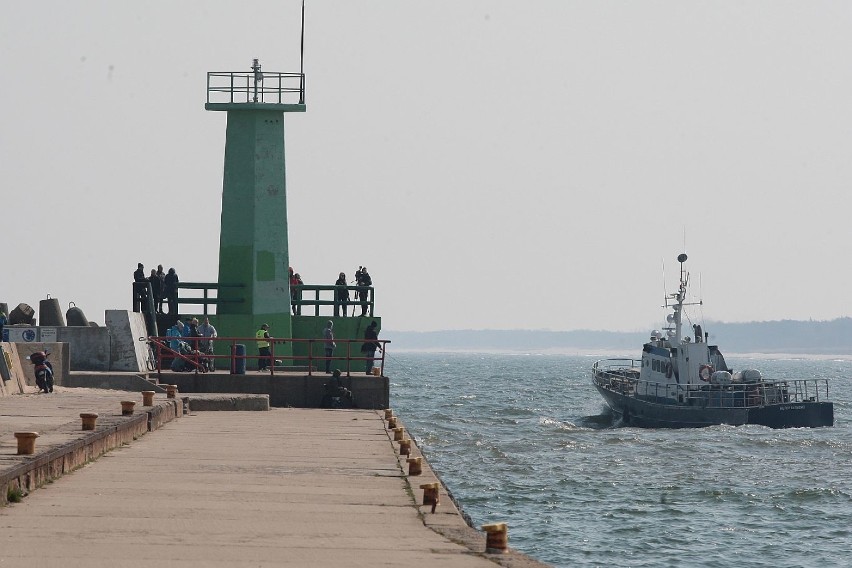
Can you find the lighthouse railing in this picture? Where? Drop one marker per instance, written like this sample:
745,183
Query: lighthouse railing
241,87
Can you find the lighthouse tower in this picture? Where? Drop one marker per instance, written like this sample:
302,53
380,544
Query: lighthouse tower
253,285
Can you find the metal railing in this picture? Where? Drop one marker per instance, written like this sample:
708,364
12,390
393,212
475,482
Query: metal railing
324,295
621,376
202,360
242,87
143,300
206,300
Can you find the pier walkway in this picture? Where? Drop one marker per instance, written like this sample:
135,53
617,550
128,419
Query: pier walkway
284,487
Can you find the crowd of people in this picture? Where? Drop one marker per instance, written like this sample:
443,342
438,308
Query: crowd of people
194,340
190,338
163,287
342,299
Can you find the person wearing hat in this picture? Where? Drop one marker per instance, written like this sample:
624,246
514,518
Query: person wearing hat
263,338
328,336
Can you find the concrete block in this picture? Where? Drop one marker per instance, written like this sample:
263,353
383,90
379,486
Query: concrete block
89,347
227,402
127,353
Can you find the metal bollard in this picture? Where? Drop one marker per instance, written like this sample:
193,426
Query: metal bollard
147,398
496,538
127,407
89,420
171,391
414,467
398,434
26,442
430,494
388,413
405,447
391,422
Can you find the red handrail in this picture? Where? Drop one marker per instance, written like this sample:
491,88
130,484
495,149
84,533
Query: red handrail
196,358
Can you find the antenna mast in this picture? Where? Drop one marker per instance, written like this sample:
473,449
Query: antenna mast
302,60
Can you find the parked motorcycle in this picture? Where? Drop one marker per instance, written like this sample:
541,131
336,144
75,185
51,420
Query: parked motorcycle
43,370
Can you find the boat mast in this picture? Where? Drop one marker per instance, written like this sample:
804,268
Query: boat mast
680,297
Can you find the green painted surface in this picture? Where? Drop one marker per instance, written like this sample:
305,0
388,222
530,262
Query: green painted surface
310,327
285,107
303,327
253,246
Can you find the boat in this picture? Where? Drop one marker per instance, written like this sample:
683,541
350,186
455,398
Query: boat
681,381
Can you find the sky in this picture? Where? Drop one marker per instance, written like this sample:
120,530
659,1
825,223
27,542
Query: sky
495,164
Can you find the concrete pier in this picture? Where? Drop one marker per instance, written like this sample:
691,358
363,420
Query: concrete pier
285,487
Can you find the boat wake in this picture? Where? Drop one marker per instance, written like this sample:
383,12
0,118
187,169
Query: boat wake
602,421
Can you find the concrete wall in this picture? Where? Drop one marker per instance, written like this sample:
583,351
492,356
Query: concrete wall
89,347
11,371
111,381
112,348
285,390
58,357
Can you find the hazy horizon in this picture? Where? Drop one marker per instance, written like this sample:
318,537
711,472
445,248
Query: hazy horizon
488,161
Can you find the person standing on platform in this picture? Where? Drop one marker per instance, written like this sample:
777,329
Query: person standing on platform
207,331
296,293
140,288
162,276
341,295
364,281
370,345
328,336
170,290
263,338
156,291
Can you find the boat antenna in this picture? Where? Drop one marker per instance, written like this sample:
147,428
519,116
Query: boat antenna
681,258
665,297
302,60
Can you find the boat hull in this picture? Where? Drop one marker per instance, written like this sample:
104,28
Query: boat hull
644,414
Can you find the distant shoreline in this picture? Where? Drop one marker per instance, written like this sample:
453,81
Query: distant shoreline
604,353
799,339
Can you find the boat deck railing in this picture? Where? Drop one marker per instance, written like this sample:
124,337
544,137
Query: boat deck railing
622,376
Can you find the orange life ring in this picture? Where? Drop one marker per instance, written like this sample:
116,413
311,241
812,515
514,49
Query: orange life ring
704,372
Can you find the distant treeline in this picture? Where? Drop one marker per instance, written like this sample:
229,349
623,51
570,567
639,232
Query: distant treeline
786,336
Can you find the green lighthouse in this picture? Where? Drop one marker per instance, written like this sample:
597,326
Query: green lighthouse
253,248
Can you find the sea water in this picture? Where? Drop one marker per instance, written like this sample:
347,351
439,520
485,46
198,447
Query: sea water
526,439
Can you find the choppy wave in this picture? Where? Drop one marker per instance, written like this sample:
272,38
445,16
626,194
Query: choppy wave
528,441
